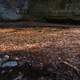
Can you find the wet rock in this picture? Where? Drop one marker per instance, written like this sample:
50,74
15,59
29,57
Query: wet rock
6,57
16,58
9,64
19,77
3,71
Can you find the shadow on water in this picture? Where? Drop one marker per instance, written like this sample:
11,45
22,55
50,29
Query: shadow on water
64,21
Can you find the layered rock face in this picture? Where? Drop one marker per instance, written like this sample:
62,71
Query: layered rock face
49,9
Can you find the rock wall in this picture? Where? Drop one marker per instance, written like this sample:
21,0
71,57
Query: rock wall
55,9
11,9
41,9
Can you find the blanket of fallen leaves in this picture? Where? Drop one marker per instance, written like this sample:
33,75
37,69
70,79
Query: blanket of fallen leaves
65,41
26,38
52,45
